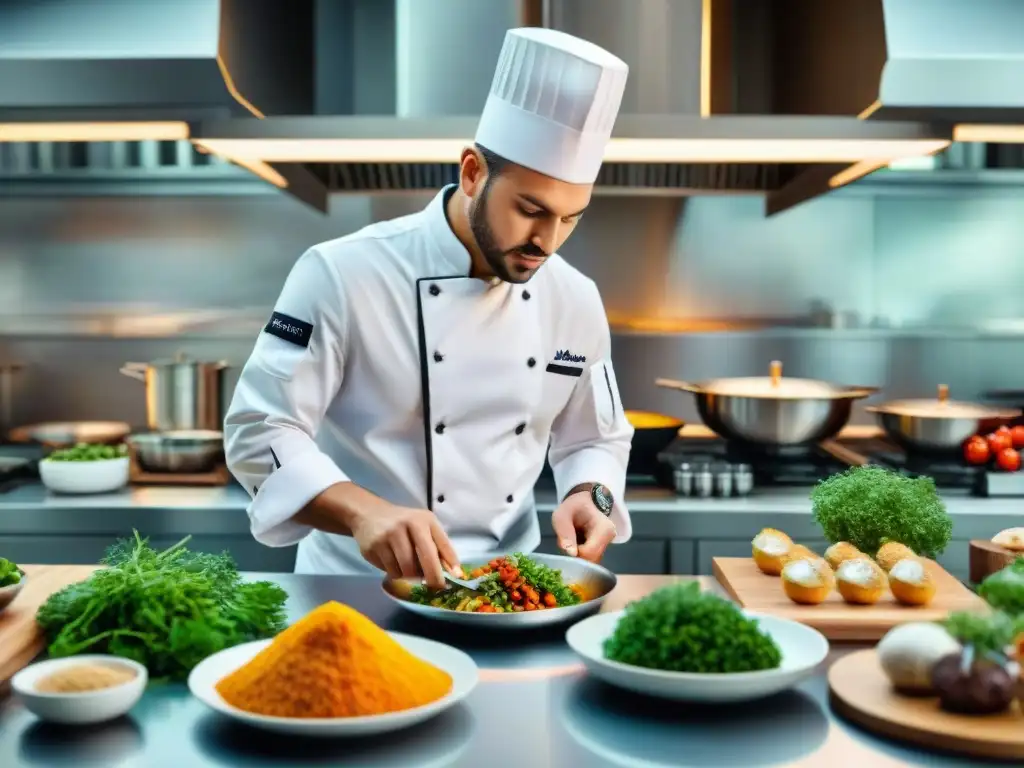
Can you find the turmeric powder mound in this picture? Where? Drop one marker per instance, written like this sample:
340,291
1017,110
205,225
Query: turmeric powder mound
335,662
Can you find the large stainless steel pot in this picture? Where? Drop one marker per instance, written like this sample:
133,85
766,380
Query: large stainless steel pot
772,410
181,393
940,425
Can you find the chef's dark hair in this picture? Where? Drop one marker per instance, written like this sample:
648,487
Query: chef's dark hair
495,163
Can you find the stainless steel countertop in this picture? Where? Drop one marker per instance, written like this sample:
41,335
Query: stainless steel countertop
657,513
534,707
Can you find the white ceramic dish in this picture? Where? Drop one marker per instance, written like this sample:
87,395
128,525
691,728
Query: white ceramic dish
803,649
101,476
79,708
8,593
461,667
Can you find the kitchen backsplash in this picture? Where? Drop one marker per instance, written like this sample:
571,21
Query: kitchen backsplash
931,267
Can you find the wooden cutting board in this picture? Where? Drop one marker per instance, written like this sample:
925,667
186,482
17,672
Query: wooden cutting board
20,637
834,618
860,691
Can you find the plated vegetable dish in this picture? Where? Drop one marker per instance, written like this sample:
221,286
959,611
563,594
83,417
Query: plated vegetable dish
89,452
511,584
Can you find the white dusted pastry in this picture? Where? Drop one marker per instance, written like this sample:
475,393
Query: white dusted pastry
908,652
1011,538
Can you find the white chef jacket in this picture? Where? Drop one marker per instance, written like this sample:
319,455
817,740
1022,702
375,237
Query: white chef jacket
386,365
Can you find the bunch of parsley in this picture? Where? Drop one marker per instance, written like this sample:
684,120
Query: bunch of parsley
869,506
167,610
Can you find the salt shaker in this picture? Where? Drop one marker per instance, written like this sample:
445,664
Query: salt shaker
743,479
703,482
684,480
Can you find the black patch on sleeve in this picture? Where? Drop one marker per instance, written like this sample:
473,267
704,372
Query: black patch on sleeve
289,329
564,370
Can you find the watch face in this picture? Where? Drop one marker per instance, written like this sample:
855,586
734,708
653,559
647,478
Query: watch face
603,499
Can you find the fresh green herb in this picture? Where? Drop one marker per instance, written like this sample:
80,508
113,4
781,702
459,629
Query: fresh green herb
870,506
987,632
167,610
9,573
1004,589
89,452
681,629
546,579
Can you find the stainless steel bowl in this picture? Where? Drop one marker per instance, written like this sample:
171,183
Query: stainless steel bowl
938,426
182,451
772,410
597,583
8,593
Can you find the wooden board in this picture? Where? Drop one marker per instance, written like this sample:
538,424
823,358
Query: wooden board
20,637
834,618
987,558
860,691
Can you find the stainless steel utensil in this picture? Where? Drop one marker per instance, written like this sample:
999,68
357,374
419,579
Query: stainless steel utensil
940,425
185,451
773,410
596,582
62,434
181,393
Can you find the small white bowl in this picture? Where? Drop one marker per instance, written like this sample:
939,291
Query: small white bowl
8,593
100,476
79,708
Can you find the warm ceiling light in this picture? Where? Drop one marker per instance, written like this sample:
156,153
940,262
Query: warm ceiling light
166,131
989,134
621,150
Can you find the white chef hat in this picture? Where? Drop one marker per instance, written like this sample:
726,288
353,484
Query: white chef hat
553,103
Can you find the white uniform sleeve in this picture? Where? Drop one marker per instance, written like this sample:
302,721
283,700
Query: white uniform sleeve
283,391
591,437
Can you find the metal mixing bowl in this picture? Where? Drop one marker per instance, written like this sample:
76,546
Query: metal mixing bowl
184,451
596,581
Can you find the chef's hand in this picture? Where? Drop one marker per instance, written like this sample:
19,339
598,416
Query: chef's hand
406,543
581,528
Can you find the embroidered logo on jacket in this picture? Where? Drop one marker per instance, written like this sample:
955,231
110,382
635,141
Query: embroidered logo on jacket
289,329
565,356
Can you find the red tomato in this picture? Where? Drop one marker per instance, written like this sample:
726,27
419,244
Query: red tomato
1008,460
1017,435
976,451
1003,430
999,441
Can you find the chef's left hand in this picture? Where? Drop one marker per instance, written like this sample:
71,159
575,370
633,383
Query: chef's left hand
581,528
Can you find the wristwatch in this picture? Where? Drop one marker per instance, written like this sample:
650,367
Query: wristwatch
599,494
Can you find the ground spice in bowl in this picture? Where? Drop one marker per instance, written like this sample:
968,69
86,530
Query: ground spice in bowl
333,663
82,678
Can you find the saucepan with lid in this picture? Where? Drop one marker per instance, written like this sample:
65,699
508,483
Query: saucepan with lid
181,394
772,410
940,425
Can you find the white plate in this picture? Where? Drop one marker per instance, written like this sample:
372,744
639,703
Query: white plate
462,668
803,649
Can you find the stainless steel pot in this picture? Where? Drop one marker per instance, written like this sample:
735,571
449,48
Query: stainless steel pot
183,451
940,425
181,393
772,410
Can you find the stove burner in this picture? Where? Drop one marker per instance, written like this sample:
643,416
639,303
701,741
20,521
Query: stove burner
770,465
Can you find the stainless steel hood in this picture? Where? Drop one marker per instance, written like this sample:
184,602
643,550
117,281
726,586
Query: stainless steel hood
708,98
154,60
700,98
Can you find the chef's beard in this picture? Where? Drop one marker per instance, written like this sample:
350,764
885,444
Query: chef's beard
497,258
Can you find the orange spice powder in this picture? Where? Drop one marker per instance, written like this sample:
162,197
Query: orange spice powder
335,662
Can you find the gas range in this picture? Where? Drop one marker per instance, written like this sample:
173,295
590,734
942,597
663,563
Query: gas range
714,467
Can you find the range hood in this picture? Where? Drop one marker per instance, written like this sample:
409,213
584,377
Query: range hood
724,96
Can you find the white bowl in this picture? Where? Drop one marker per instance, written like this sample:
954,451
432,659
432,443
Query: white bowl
100,476
204,677
803,649
79,708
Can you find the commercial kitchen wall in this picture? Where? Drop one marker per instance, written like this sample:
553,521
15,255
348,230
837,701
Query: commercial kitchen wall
74,270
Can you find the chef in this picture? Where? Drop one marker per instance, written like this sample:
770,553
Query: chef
398,405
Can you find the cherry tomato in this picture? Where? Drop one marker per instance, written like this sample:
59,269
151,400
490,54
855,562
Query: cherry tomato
976,451
1003,430
1017,435
999,441
1008,460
